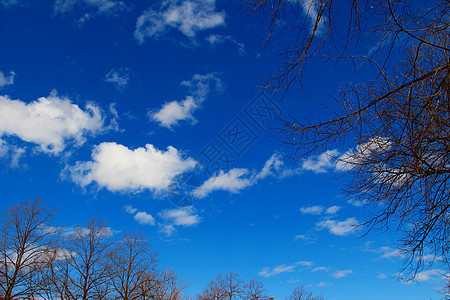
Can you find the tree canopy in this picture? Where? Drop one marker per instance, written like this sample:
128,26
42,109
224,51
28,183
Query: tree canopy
398,121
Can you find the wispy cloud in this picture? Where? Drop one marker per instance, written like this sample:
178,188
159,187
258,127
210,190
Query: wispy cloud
238,179
50,122
318,210
270,272
232,181
188,17
311,10
218,39
118,168
180,216
312,210
90,8
345,227
6,79
267,272
171,218
321,163
119,77
342,273
171,113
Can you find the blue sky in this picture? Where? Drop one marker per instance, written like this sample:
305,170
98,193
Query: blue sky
145,113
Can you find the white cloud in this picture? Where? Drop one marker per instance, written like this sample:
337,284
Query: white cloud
186,16
332,210
49,122
341,274
304,237
324,284
119,77
320,269
233,181
201,85
311,10
275,167
321,163
130,209
357,202
144,218
354,157
339,227
388,252
6,79
381,276
90,8
173,112
428,275
119,168
312,210
305,263
141,217
317,210
180,217
267,272
239,178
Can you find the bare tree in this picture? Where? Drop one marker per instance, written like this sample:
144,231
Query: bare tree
254,290
83,275
214,290
399,121
26,238
300,293
162,285
129,263
231,287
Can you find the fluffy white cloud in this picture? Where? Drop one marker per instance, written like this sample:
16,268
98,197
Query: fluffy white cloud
119,77
119,168
232,181
339,227
141,217
267,272
49,122
186,16
144,218
180,217
6,79
173,112
341,274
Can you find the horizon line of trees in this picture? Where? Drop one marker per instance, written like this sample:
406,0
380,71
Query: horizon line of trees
42,261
